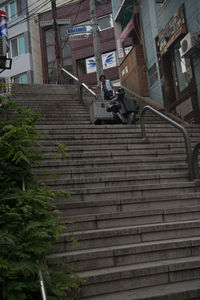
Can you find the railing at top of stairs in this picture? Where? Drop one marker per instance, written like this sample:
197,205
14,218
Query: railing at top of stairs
80,86
192,156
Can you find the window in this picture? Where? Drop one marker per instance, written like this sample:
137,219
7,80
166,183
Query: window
105,22
182,65
22,79
12,10
153,75
18,46
81,67
50,51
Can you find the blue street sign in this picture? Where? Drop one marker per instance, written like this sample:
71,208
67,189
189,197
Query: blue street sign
80,29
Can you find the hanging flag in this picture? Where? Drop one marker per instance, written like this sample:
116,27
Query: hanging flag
3,25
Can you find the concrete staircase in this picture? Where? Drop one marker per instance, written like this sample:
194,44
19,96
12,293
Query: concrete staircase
132,207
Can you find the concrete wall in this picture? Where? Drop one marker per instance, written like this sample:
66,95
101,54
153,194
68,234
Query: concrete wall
21,63
115,7
150,30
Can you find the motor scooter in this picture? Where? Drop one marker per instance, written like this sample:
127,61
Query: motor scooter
123,110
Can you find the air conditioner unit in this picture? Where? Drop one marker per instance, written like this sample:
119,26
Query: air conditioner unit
3,46
190,44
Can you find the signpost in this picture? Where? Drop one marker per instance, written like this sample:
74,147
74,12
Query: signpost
75,37
79,29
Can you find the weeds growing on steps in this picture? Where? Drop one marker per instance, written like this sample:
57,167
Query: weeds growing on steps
29,225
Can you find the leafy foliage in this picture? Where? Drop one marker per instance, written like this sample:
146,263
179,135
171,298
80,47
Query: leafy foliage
29,225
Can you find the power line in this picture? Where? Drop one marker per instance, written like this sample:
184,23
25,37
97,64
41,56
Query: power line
67,40
29,15
26,9
36,9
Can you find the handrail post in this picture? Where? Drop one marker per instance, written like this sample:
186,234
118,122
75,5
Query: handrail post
80,86
42,286
176,125
43,292
195,160
80,93
143,131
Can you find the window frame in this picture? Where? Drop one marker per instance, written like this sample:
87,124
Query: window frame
87,23
9,11
18,45
20,78
111,22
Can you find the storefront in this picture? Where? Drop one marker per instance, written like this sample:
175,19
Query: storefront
176,72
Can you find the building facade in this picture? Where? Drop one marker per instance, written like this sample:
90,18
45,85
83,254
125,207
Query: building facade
172,69
19,42
130,46
24,39
77,50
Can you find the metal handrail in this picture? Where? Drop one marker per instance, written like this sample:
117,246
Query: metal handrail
42,286
176,125
80,86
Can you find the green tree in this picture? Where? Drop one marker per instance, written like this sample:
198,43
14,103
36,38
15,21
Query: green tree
29,224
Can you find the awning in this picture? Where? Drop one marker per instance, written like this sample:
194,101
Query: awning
123,8
127,30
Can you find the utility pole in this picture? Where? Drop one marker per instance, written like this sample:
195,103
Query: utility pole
57,41
96,39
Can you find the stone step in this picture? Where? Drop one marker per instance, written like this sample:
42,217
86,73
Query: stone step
119,147
130,218
115,127
109,135
113,181
115,140
117,153
124,191
60,121
45,98
82,117
107,161
115,256
67,116
64,129
125,235
57,111
111,280
180,200
64,172
54,103
42,88
184,290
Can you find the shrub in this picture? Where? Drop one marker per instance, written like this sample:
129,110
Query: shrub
29,225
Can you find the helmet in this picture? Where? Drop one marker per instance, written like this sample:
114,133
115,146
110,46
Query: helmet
120,91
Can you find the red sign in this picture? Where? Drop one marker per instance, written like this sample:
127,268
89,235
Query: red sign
129,27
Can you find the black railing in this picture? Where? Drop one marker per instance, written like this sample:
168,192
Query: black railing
191,159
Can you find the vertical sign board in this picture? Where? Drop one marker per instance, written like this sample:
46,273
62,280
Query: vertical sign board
120,49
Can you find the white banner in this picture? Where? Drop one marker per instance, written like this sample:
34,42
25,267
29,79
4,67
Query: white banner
108,61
